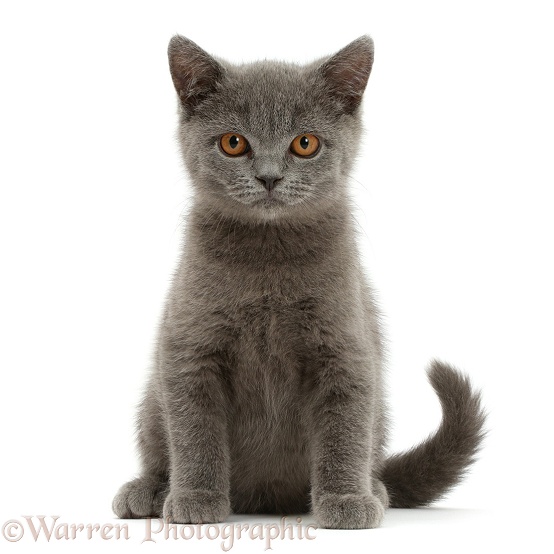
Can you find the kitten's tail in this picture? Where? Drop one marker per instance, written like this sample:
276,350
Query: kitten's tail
427,471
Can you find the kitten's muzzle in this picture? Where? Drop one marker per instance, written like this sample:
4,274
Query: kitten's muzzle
268,181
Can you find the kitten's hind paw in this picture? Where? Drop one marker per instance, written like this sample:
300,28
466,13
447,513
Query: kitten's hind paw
140,498
197,506
380,491
348,511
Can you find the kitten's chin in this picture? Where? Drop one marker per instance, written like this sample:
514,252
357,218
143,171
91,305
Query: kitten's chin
267,208
269,204
263,210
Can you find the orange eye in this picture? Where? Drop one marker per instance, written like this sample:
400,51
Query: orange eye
305,145
234,144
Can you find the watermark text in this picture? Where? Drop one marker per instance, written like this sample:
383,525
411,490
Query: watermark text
52,528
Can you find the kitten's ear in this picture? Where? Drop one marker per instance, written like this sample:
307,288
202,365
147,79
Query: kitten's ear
194,72
346,73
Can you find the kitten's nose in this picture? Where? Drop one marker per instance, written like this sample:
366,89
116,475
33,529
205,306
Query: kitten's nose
268,181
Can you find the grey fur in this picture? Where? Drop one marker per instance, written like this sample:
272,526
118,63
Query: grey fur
266,394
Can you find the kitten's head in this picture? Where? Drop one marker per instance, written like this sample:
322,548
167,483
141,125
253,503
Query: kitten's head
268,141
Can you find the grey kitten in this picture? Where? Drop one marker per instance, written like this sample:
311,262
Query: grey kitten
266,394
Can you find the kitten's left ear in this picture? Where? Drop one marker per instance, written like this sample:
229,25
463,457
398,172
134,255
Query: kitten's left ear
194,72
346,73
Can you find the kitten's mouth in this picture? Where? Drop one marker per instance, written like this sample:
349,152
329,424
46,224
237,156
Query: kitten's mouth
269,202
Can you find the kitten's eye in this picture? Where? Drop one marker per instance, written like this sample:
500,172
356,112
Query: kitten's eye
305,145
234,144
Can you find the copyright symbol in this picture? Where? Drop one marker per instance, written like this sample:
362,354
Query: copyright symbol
12,530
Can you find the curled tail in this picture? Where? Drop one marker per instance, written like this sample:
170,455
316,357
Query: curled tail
427,471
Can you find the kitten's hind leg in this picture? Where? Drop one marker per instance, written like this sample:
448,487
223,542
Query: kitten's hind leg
380,491
145,496
140,498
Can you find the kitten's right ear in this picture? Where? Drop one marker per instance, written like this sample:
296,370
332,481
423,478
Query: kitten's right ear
194,72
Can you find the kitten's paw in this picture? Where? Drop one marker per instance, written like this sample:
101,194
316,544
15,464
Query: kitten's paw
139,498
380,491
348,511
198,506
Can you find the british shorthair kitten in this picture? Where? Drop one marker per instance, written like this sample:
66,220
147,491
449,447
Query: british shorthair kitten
266,394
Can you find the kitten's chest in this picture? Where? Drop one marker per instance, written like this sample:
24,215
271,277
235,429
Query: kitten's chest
269,351
270,330
271,322
269,310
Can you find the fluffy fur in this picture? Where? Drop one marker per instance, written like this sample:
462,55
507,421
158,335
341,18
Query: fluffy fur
266,395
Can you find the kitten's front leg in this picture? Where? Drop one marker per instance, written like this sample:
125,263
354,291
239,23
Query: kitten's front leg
341,417
196,405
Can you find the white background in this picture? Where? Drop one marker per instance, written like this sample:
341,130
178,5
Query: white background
454,189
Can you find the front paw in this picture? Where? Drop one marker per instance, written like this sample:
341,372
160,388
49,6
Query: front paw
196,506
348,511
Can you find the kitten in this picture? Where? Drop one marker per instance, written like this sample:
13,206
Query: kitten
266,395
